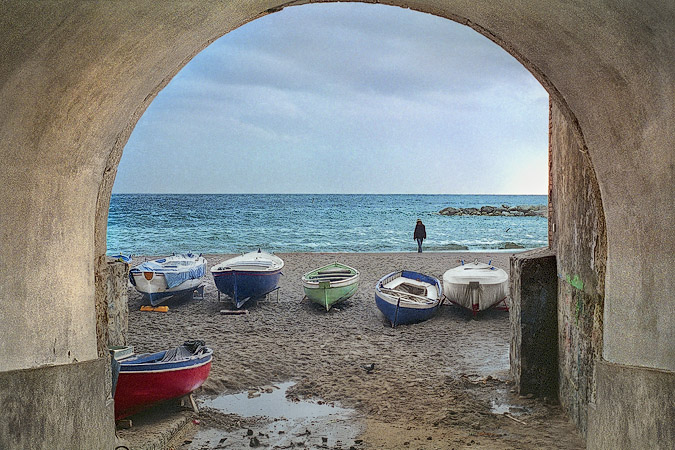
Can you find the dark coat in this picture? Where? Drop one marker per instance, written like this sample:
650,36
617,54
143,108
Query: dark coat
420,231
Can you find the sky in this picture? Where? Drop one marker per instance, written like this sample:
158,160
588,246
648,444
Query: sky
344,98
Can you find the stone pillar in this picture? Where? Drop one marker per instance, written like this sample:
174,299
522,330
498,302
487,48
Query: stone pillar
534,322
118,302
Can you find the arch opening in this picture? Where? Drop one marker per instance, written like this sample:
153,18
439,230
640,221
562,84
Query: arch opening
574,130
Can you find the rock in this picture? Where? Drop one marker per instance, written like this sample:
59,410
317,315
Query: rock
504,210
510,245
455,247
253,393
449,211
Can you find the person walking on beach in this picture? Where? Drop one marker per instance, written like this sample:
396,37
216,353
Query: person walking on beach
420,234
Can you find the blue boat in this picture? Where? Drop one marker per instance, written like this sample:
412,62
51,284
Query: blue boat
172,276
120,257
251,275
407,297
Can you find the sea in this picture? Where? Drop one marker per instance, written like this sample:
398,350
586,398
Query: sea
160,224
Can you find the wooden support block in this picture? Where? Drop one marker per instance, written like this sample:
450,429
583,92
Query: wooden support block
193,403
124,424
188,401
199,295
233,312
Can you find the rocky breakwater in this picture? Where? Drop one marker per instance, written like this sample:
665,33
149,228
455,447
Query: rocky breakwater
504,210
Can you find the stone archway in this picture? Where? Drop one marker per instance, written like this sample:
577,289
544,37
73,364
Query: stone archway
77,76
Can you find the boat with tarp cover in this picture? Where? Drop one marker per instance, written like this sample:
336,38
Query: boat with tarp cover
172,276
476,286
407,297
149,378
330,284
251,275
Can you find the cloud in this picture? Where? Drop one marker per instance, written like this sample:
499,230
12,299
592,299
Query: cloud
346,86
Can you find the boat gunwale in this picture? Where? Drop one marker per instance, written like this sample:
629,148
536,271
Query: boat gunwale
275,264
194,360
197,261
499,275
348,281
391,299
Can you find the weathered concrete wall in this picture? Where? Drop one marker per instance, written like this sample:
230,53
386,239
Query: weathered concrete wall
533,320
614,420
56,407
580,244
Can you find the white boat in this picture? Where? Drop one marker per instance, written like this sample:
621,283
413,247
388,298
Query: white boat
476,286
171,276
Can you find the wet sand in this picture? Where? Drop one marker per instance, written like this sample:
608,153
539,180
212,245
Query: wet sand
440,384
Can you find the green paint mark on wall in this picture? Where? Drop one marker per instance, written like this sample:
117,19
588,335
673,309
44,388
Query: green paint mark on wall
575,282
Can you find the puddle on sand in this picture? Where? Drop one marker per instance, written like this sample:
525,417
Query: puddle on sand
500,405
289,424
501,408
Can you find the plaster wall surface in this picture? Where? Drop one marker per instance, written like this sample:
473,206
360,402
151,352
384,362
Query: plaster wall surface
76,76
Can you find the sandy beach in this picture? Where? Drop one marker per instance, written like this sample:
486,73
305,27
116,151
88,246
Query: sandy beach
440,384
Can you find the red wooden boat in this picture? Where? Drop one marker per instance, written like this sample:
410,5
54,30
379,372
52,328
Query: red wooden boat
149,378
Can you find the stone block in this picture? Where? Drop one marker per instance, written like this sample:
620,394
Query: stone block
117,277
534,322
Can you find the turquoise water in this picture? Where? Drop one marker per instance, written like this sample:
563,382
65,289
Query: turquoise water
155,224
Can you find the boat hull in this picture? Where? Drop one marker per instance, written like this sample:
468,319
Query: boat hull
330,284
404,315
475,286
242,286
328,296
140,389
399,311
156,292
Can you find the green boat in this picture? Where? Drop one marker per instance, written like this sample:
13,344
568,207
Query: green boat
330,284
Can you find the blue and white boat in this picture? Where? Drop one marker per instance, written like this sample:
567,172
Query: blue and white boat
407,297
167,277
251,275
